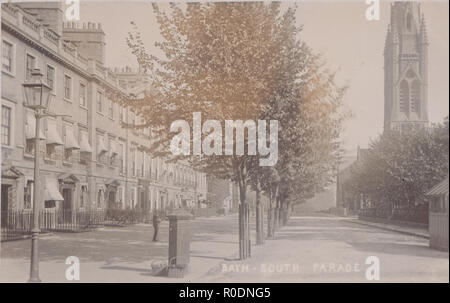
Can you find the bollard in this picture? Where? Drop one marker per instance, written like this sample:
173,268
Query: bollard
179,243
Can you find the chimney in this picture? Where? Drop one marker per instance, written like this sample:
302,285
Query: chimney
89,38
49,14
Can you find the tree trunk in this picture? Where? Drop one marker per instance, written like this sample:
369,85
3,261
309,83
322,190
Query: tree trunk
247,223
259,227
286,213
270,220
244,239
271,213
276,223
261,222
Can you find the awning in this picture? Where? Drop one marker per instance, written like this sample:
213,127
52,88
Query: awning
84,143
101,146
71,143
439,189
51,190
30,127
112,182
53,136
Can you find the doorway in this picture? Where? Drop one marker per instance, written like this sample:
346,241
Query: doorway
112,199
4,205
67,202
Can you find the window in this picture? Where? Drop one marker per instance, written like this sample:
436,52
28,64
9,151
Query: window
121,162
50,151
29,146
133,159
110,109
133,197
51,77
99,101
83,94
122,114
114,152
31,64
67,151
142,164
6,125
99,198
84,196
7,56
28,195
102,149
408,22
67,87
415,96
132,119
404,97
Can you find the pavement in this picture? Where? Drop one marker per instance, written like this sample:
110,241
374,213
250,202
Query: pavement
407,230
310,248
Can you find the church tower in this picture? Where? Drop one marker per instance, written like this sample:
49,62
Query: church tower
406,68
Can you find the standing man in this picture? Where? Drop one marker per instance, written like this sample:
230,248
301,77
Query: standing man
156,220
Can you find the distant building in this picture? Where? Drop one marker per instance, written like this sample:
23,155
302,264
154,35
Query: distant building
406,68
405,86
222,194
90,160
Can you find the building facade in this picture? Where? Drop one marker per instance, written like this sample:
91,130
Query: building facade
89,160
406,68
223,194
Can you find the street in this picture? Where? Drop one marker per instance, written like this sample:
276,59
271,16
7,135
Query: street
311,248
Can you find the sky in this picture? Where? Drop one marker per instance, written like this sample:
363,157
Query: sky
339,30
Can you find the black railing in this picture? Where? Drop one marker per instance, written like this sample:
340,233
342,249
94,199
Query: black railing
16,224
70,220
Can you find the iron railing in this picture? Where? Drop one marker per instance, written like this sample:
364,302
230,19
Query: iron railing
16,224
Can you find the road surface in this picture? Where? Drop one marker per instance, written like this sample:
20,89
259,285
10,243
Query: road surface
311,248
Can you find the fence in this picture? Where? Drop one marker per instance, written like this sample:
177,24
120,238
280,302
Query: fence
16,224
417,214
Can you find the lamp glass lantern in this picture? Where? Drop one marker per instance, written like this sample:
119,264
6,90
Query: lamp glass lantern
37,93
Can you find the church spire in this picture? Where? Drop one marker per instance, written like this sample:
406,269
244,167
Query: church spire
406,67
423,31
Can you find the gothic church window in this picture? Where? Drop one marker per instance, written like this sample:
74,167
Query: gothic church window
408,22
404,97
415,96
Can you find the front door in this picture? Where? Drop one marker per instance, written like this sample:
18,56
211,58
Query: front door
4,205
112,199
67,205
143,204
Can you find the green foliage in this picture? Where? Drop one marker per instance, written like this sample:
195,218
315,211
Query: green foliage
401,166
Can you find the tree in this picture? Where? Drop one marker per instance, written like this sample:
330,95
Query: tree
400,166
235,61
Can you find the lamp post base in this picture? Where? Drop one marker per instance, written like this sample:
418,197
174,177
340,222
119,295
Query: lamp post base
34,266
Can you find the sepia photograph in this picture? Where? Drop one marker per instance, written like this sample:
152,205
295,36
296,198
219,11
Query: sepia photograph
235,143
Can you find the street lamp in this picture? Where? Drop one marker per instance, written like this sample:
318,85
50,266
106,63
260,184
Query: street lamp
37,97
